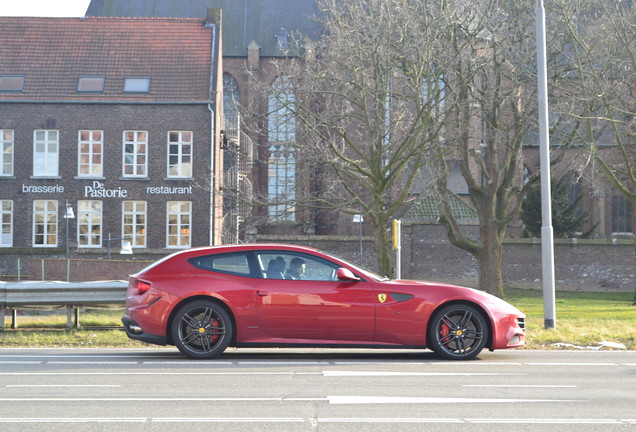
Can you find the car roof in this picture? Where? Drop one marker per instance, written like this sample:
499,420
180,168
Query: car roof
252,246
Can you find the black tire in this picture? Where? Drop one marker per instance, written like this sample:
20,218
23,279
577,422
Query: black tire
458,332
202,329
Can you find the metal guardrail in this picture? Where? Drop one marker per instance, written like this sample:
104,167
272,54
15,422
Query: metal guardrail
53,295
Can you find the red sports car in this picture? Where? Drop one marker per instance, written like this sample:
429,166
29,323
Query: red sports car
257,295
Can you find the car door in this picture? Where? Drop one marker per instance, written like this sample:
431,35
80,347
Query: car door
317,307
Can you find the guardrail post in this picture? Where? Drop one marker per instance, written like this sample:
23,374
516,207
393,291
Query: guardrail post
3,315
72,317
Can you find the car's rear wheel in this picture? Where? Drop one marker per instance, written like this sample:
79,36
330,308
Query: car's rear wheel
202,329
458,332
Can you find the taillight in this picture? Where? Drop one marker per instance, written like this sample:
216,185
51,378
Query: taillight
141,286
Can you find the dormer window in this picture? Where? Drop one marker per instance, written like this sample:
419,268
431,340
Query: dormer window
11,83
137,85
281,38
90,84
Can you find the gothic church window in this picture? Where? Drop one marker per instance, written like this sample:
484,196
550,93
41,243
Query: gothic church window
281,176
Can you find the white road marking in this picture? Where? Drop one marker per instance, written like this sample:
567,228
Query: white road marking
358,400
517,386
544,421
474,363
573,364
42,359
227,420
389,420
152,373
333,400
73,420
144,399
68,356
385,420
188,363
410,374
282,363
76,363
61,385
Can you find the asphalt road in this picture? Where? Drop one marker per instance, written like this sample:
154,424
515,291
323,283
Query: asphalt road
315,390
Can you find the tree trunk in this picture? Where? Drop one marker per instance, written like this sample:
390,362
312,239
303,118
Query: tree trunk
634,303
490,260
634,225
382,247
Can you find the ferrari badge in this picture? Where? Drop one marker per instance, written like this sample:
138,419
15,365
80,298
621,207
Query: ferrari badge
382,298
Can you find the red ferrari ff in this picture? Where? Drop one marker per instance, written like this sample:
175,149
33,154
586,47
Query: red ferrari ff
257,295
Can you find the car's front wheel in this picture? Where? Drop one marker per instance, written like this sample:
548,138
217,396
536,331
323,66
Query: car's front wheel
202,329
458,332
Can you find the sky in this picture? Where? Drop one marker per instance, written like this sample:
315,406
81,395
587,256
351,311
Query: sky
42,8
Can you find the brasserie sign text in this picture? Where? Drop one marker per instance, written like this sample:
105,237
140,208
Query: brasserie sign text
98,190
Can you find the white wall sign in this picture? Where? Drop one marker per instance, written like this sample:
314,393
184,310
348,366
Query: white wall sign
98,190
42,189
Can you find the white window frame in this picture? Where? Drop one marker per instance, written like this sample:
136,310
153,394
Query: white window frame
47,219
87,156
178,164
135,154
134,222
6,223
46,153
7,150
90,226
178,224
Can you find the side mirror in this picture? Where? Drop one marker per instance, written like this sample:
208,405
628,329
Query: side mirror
345,274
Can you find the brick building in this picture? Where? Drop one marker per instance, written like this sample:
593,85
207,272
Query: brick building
116,120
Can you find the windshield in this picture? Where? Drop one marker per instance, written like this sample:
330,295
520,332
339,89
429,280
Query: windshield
359,269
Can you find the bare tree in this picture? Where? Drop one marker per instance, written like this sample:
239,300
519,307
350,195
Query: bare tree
604,52
493,112
370,96
395,85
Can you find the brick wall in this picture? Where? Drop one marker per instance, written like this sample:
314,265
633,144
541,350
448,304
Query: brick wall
588,265
77,270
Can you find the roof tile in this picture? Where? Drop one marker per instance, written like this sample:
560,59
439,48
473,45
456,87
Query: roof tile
52,53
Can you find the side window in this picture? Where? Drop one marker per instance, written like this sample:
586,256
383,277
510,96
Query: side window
232,263
293,266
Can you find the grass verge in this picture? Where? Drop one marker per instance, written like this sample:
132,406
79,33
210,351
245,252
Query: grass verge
583,319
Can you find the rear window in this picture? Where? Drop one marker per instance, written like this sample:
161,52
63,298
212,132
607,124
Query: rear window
233,263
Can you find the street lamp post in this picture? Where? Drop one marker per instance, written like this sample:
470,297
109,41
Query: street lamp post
68,214
359,219
547,239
